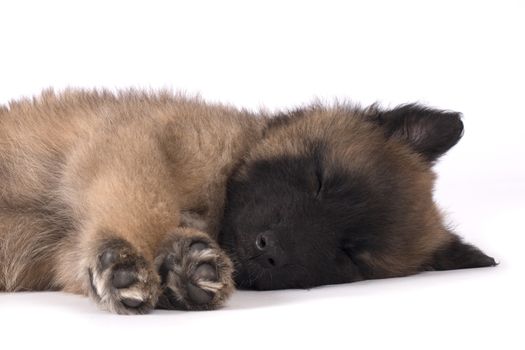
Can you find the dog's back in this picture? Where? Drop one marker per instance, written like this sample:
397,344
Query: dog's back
52,146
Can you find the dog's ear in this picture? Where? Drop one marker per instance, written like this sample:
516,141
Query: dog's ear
429,132
458,255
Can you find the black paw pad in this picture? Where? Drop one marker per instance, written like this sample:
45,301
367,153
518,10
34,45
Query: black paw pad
198,246
207,272
123,278
132,303
199,295
108,258
195,273
203,272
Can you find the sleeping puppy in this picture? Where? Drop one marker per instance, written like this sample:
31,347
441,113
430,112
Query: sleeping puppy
128,197
339,194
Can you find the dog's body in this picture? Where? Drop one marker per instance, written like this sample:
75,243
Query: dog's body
121,196
82,170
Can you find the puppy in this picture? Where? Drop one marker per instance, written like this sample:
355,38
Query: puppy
340,194
122,197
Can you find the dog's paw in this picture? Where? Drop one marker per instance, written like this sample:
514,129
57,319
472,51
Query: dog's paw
121,280
196,274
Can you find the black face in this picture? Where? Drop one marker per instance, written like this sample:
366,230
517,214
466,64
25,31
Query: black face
294,222
324,216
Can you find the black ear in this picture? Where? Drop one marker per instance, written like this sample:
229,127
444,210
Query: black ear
429,132
458,255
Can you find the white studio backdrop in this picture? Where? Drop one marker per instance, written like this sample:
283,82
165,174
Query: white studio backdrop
462,55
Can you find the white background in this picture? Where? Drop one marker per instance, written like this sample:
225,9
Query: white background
466,56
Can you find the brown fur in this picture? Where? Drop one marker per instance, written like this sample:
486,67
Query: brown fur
355,144
339,194
78,166
97,184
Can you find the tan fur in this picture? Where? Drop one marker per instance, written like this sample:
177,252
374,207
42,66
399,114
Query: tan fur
79,164
80,168
352,143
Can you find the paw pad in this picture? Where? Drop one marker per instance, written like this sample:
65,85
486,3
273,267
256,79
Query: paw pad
196,273
123,278
122,281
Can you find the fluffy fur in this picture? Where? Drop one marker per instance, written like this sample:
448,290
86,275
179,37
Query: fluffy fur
341,194
122,197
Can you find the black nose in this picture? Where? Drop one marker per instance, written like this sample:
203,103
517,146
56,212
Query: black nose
270,254
264,240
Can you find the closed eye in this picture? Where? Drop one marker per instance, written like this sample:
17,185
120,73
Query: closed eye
319,184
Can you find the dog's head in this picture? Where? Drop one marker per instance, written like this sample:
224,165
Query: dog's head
339,194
